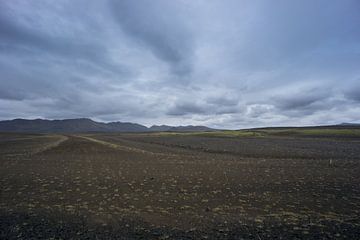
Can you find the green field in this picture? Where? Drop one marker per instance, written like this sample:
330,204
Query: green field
275,132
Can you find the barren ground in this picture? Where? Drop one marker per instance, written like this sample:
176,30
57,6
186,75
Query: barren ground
153,186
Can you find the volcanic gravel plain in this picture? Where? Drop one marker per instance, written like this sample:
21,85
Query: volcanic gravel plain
178,186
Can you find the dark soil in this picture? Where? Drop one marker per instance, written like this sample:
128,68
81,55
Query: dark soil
136,186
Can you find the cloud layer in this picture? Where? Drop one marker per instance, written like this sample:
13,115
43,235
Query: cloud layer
225,64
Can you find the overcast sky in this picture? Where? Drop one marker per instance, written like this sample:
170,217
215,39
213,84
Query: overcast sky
220,63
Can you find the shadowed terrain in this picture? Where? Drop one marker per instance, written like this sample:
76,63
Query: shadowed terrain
179,186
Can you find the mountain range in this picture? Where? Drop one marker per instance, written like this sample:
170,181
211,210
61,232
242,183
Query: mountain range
87,125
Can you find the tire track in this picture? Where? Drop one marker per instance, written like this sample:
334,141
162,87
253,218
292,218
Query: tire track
126,148
49,146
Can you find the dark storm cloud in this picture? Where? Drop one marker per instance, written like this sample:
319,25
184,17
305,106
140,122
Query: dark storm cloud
354,95
219,63
223,100
304,99
352,91
157,26
10,95
291,31
186,108
211,105
25,40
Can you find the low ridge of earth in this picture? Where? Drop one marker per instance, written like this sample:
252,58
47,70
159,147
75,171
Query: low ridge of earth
169,186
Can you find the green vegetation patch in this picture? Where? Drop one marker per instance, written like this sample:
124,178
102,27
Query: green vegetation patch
278,132
312,132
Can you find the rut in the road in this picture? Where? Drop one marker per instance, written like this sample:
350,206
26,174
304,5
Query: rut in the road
51,145
126,148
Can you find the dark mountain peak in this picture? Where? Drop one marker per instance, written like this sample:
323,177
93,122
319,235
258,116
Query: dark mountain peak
66,126
77,125
23,120
191,128
73,120
127,127
349,124
159,128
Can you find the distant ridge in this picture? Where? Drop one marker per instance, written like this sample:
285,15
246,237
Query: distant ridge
335,126
188,128
161,128
350,124
85,125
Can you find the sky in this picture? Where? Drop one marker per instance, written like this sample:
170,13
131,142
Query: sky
224,64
